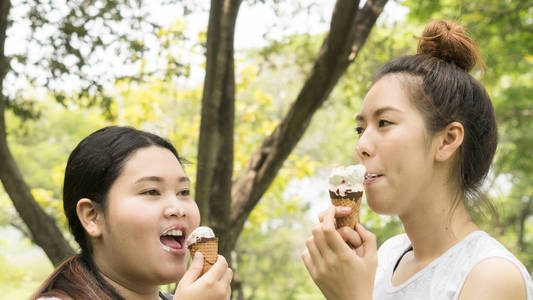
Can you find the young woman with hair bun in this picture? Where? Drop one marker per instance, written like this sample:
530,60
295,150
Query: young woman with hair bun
128,205
427,136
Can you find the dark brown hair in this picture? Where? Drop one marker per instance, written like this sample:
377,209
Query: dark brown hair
439,84
92,168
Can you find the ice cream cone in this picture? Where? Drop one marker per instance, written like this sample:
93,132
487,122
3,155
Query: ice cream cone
346,189
352,200
209,248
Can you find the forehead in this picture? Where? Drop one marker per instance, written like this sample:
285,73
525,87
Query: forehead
152,161
386,92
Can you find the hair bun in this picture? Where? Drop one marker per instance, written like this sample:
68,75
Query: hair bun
449,42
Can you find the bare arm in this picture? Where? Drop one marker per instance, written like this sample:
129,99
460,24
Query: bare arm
494,278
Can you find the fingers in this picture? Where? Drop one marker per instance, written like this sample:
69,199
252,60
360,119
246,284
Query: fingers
308,262
369,241
340,211
331,236
313,253
228,292
327,227
226,280
228,276
306,257
350,236
218,270
194,270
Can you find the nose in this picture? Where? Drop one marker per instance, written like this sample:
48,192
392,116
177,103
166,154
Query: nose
174,211
363,147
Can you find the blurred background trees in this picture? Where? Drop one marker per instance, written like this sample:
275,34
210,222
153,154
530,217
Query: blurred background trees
85,65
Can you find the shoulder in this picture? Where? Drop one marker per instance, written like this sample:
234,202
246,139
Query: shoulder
494,278
396,243
392,248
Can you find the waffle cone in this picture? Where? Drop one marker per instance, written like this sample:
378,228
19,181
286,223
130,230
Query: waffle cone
209,248
352,200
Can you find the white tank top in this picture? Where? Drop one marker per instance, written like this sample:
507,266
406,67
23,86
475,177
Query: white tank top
444,277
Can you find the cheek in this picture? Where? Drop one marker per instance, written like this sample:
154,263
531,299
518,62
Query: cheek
393,153
131,220
193,214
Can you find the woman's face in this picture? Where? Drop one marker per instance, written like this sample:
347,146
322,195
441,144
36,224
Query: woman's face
393,148
151,198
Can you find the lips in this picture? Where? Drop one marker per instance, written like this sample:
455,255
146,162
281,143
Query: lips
173,240
371,177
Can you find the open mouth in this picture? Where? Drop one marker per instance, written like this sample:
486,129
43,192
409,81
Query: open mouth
172,240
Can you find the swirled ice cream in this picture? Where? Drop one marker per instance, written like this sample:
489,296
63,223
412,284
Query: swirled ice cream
201,233
347,179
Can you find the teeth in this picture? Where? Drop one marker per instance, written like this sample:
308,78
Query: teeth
175,232
371,175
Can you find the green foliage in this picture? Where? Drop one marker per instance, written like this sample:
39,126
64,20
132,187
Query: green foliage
85,46
41,147
331,137
23,268
268,251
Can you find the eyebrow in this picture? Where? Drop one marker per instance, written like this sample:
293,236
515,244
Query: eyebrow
160,179
378,112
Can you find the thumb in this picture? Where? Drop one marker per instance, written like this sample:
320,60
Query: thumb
369,241
195,270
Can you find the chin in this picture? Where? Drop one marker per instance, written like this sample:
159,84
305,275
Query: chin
172,276
380,207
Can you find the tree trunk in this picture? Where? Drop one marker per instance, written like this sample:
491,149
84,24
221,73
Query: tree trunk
224,209
215,149
43,229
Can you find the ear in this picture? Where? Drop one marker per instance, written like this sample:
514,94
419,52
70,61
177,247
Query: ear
450,140
90,216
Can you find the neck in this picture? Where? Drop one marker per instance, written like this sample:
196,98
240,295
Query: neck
132,294
436,224
128,288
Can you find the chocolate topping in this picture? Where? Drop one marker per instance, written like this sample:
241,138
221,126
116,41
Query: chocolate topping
203,239
349,195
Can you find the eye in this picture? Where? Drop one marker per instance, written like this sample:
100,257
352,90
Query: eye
359,130
184,193
384,123
152,192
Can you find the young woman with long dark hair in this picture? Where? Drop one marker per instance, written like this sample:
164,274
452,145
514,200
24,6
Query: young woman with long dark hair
128,205
427,136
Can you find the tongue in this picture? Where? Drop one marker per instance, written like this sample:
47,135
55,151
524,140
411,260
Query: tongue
170,242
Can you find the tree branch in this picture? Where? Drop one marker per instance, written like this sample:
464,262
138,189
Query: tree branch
43,229
22,230
349,29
